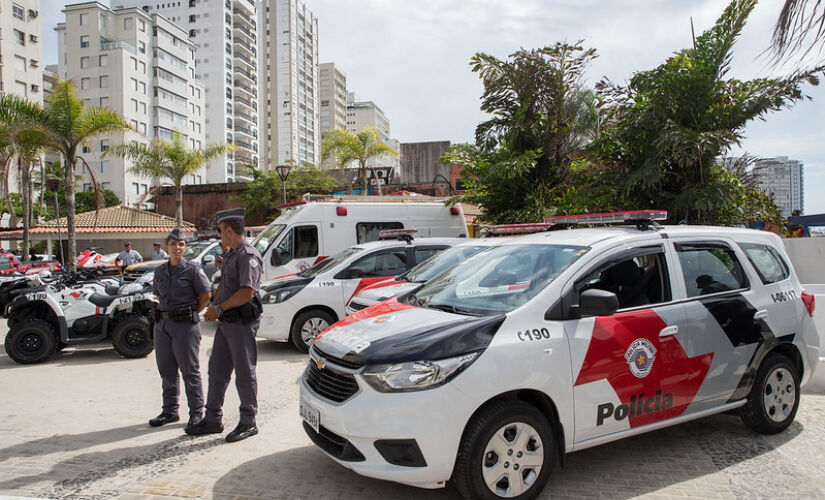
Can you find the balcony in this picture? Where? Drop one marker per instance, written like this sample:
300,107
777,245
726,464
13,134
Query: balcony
249,64
251,119
252,134
245,48
249,34
117,45
249,90
243,15
246,102
247,74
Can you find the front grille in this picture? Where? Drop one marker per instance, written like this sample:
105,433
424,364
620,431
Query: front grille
356,306
329,383
352,365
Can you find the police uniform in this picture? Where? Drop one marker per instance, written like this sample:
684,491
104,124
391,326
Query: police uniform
234,346
177,334
159,254
129,257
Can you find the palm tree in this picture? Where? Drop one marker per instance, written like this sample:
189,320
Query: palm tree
169,160
798,19
351,146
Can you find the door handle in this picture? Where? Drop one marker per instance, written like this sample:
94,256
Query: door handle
669,331
760,314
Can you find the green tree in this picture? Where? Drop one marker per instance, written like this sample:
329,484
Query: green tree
163,159
799,28
360,146
671,123
541,120
264,192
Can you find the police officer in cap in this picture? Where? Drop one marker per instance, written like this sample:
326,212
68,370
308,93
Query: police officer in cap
183,291
238,308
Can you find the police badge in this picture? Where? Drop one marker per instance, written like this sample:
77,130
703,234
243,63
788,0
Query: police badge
640,356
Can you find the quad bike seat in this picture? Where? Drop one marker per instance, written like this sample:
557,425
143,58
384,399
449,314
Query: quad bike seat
112,289
102,300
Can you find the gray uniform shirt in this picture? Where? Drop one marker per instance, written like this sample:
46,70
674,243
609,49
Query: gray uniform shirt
160,255
179,286
241,267
129,258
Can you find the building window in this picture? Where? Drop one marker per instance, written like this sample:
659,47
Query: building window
136,187
84,41
143,67
134,63
191,3
143,108
18,12
127,23
142,25
84,83
104,101
104,145
84,19
142,128
142,47
19,63
103,60
134,105
104,81
134,84
143,88
20,37
192,18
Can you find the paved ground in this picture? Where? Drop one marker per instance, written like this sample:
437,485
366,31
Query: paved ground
75,427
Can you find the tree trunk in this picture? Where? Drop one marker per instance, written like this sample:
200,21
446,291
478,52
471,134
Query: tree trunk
25,197
6,193
363,172
377,183
179,205
71,259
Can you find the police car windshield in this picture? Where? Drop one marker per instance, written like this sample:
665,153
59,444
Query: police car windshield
439,263
329,263
266,237
194,250
498,280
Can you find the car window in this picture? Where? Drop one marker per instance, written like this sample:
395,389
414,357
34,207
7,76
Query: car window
306,241
636,281
769,265
214,250
710,269
429,269
284,248
368,231
382,263
330,263
422,254
193,251
4,262
267,237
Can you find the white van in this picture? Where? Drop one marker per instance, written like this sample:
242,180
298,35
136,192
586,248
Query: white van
309,232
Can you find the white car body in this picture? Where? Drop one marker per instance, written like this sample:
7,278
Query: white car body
588,375
306,234
326,289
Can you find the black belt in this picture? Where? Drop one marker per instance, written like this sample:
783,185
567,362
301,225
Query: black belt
185,314
245,313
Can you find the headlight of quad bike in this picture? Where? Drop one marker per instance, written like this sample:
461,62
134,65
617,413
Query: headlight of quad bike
416,375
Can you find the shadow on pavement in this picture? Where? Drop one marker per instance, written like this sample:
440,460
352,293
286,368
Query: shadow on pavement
624,469
88,354
271,350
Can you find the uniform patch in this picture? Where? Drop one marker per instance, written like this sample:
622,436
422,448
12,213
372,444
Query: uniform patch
640,356
253,263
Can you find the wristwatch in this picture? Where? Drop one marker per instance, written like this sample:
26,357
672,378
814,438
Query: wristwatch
219,310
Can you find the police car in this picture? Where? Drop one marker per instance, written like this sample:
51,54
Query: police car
556,342
299,307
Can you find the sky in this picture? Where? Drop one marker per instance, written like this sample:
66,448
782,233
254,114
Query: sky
411,57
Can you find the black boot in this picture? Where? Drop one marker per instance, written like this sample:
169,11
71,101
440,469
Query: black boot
242,431
163,419
204,427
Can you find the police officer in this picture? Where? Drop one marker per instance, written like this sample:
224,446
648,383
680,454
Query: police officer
183,291
128,256
159,253
238,308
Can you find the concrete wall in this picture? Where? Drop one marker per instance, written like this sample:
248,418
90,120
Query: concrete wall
808,258
419,162
202,201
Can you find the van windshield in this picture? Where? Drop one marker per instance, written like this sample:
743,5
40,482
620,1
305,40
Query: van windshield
497,280
266,237
329,263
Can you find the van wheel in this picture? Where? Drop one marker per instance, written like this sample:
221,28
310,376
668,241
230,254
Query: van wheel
774,397
132,337
307,325
31,341
507,451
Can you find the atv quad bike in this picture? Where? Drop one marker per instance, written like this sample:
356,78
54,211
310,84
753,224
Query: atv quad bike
46,316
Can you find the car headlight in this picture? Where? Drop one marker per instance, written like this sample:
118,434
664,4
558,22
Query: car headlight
416,375
280,295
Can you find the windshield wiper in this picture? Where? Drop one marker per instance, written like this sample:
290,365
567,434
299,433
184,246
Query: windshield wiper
452,309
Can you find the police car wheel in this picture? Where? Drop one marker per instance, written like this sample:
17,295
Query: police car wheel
132,337
307,325
31,341
774,398
507,451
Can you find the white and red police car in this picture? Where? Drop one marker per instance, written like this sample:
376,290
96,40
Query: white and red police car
555,342
300,306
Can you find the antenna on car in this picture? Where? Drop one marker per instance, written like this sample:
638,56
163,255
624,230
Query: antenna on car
642,219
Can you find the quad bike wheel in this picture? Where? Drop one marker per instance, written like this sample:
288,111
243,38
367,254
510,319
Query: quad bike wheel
31,341
132,337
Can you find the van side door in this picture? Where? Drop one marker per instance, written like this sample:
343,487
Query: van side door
298,249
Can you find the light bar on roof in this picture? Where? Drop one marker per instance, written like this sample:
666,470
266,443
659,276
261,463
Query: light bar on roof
536,227
291,204
385,234
632,217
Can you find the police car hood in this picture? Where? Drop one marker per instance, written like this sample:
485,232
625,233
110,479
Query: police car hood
392,332
377,294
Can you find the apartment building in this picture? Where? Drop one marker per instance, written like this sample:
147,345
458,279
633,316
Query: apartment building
21,52
142,66
362,114
784,179
290,83
332,93
226,35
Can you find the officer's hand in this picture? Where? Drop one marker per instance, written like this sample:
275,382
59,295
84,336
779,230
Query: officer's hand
211,314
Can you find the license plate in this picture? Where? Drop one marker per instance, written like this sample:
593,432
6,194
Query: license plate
310,415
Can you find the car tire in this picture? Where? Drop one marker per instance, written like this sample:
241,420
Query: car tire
132,337
774,397
31,341
483,456
307,325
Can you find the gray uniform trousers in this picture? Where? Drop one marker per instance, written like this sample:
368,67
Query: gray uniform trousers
176,348
234,346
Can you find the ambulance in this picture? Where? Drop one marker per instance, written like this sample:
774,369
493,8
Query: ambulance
489,374
308,232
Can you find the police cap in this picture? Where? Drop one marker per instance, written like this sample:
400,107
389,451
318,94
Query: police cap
227,215
176,234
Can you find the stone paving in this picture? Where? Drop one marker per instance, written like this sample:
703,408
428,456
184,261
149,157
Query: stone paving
75,428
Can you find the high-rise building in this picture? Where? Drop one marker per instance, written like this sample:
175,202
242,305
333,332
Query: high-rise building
142,66
226,35
332,93
782,178
362,114
21,53
289,78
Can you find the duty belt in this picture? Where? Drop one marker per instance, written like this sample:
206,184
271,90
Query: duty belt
185,314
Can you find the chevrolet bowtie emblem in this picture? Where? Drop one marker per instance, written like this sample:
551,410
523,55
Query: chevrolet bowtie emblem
319,363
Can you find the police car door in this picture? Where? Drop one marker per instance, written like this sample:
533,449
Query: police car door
629,367
723,319
371,268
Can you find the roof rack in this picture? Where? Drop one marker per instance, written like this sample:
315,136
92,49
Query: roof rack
528,228
642,219
397,234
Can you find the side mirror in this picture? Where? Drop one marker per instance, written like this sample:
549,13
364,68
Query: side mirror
348,274
595,302
209,259
275,258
